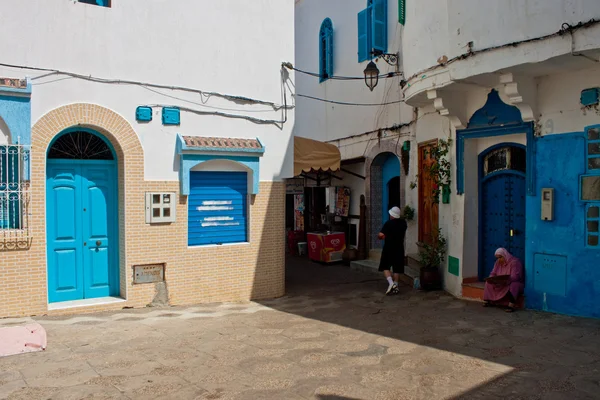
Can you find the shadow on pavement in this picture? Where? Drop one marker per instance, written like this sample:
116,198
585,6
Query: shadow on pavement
481,352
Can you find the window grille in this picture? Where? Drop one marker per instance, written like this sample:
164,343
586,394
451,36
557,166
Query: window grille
14,197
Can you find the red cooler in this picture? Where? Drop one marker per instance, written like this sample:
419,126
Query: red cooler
326,246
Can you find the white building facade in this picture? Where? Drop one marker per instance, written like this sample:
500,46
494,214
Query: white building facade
135,113
513,86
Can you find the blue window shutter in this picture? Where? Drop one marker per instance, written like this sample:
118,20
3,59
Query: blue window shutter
379,26
329,53
364,29
217,208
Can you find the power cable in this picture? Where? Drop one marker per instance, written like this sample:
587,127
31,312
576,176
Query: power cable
337,77
349,104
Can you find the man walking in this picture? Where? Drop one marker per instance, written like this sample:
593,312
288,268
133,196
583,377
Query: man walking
392,256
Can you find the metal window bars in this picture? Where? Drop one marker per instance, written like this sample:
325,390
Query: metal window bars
14,197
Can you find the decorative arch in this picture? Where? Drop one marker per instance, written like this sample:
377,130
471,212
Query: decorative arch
495,118
130,163
373,189
326,50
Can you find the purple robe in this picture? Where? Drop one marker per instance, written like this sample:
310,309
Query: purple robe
516,283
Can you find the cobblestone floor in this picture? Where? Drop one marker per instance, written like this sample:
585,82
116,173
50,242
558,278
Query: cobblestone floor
334,336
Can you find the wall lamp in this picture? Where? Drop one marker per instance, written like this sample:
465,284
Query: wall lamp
372,72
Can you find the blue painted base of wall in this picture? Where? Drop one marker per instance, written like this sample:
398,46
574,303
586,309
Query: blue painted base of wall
562,274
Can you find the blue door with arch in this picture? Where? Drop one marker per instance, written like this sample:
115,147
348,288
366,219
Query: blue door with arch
391,184
502,191
81,218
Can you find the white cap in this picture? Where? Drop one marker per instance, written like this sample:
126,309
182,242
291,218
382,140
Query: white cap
395,212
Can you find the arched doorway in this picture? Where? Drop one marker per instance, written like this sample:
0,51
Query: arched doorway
502,194
385,191
81,217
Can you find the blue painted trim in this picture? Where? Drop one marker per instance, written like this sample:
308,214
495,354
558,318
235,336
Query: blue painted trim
189,161
325,48
82,129
587,156
171,116
588,219
15,110
143,114
481,179
464,134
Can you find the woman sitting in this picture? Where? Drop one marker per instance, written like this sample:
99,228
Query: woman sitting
506,283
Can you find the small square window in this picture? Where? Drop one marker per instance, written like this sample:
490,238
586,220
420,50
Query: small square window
593,212
592,226
592,240
594,134
156,212
167,212
156,199
166,198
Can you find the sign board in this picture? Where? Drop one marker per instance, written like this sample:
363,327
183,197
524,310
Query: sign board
149,273
294,186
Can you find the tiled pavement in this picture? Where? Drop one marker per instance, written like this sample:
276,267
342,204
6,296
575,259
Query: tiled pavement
333,336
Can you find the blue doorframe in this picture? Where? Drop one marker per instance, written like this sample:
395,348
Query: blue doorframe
510,211
82,228
390,170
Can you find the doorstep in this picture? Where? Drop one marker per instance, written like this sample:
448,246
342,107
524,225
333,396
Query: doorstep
99,301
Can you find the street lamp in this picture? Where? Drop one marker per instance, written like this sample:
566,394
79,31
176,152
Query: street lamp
371,75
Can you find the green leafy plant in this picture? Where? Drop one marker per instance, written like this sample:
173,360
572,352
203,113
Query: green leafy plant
413,184
440,170
432,255
408,213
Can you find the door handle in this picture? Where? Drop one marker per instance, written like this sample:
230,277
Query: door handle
98,243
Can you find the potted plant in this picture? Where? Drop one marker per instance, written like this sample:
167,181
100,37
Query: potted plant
408,213
431,257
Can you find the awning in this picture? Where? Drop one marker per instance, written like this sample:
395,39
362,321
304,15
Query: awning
312,155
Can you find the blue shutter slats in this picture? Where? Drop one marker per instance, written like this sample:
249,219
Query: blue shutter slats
217,208
364,27
329,47
326,50
379,26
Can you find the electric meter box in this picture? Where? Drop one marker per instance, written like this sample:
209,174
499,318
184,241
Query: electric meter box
160,207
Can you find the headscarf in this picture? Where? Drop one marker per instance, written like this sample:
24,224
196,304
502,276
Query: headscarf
505,254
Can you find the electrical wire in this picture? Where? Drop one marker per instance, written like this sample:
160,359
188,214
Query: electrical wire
337,77
235,99
349,104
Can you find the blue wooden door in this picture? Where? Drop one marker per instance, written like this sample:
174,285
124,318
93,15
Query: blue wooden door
82,230
502,218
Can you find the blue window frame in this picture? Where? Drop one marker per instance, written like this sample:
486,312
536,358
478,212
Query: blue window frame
326,50
217,208
372,29
101,3
593,149
592,223
10,187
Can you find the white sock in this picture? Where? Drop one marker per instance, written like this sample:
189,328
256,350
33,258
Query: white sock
389,279
396,283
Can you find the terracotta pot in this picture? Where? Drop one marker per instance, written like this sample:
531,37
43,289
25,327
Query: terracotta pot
430,278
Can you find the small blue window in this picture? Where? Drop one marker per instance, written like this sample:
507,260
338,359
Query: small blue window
372,29
592,222
593,149
217,208
11,191
101,3
326,50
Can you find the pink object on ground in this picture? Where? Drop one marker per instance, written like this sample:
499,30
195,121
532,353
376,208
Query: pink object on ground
22,339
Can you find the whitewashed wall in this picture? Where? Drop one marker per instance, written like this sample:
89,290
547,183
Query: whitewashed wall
435,28
324,121
213,46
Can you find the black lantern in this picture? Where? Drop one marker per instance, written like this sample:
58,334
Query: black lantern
371,75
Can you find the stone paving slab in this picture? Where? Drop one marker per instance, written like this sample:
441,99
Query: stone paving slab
334,336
